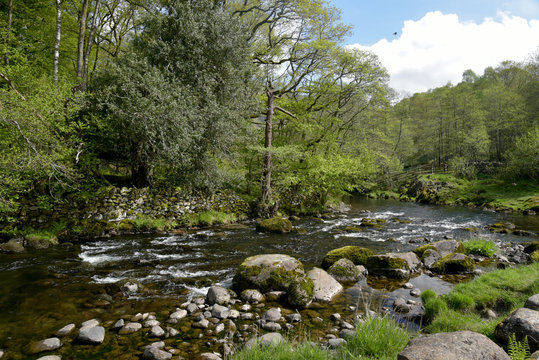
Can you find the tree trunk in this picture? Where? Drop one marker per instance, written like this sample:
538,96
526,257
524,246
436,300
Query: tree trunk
57,41
266,184
82,36
140,175
89,43
8,34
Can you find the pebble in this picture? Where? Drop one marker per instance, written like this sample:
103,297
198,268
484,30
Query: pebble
129,328
178,315
151,323
49,344
90,323
137,317
292,318
245,307
335,343
415,292
221,312
65,330
246,316
157,331
48,357
119,324
271,326
172,332
219,328
272,315
335,317
234,314
91,335
192,308
202,324
154,353
408,285
347,333
209,356
346,325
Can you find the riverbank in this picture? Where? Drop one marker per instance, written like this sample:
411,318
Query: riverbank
487,194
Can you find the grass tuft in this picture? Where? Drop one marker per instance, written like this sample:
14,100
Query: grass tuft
480,247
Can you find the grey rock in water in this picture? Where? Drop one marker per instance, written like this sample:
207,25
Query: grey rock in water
401,306
48,357
90,323
178,315
272,315
221,312
118,324
415,292
154,353
1,353
346,325
157,331
13,245
252,296
130,328
202,324
345,270
325,286
65,330
91,335
522,322
532,302
430,256
49,344
151,323
172,332
217,295
209,356
456,345
192,308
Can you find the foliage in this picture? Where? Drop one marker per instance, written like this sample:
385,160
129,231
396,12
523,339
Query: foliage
481,247
523,159
518,350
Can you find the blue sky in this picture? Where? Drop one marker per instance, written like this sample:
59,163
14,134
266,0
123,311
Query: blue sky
437,40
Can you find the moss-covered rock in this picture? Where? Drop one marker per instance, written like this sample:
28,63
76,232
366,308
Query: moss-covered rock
534,256
374,223
126,225
34,242
501,227
393,265
401,221
344,270
454,264
444,247
355,254
271,272
301,292
13,245
352,229
274,225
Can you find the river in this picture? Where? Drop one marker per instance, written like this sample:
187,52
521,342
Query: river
44,290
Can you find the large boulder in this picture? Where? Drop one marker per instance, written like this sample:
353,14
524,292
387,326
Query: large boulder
325,286
393,265
355,254
301,292
344,270
274,225
464,345
454,264
521,322
443,248
271,272
13,245
532,302
430,257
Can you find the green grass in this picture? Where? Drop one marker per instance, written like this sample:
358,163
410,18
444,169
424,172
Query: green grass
207,218
502,291
375,338
147,223
480,247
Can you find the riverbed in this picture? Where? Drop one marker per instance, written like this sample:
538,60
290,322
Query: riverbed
44,290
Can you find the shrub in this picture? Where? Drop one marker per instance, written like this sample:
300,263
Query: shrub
480,247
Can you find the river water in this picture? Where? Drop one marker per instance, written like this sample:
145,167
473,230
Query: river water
44,290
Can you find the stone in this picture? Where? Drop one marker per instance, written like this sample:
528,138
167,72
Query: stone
301,292
49,344
130,328
532,302
219,328
325,286
335,343
269,339
345,270
48,357
271,326
178,315
393,265
347,333
93,335
209,356
274,225
252,296
335,317
454,264
346,325
171,332
90,323
221,312
1,354
293,318
522,322
202,324
401,306
65,330
535,355
217,295
151,323
12,246
456,345
154,353
192,308
233,314
443,248
430,257
271,272
356,254
246,316
157,331
415,292
273,314
118,325
275,295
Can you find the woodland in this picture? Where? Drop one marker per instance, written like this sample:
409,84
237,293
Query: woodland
255,97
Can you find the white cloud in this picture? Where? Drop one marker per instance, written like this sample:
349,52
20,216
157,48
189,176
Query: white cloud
438,48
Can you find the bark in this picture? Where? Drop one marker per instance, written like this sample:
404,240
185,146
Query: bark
8,35
57,41
89,43
140,175
82,36
266,184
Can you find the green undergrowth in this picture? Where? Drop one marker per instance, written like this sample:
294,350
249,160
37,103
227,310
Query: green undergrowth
481,247
499,194
207,218
464,308
375,338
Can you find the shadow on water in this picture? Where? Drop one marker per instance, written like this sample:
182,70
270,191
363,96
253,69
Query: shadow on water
45,290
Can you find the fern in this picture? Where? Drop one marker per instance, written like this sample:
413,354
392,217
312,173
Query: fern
518,350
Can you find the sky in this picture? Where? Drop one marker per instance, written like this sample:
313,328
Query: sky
437,40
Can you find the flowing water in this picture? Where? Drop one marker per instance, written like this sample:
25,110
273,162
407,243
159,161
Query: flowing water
44,290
